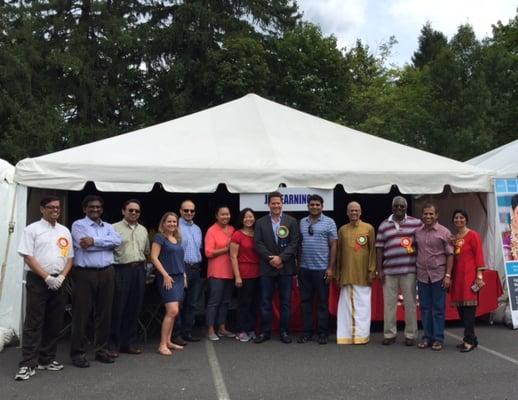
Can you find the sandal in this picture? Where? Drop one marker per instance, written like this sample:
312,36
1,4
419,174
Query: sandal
423,344
164,351
437,346
174,346
467,348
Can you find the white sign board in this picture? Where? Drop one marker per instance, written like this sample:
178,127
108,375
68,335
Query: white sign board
294,199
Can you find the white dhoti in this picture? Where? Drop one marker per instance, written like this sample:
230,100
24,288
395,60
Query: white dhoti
353,320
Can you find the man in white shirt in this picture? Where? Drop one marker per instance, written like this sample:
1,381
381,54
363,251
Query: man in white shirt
46,247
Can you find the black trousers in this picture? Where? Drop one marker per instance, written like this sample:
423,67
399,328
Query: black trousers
43,321
467,316
313,285
92,292
247,305
130,282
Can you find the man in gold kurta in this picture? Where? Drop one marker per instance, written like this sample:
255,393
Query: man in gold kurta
355,270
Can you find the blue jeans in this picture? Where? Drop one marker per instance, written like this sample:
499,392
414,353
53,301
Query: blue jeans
432,298
220,294
184,324
313,284
268,283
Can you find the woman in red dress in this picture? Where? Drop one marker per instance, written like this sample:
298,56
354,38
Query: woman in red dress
467,277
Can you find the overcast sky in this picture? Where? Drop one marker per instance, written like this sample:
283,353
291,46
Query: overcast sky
374,21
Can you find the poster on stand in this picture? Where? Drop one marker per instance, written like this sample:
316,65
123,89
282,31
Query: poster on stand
506,192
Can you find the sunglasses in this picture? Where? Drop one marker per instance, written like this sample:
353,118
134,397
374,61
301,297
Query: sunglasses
53,207
188,211
310,230
134,211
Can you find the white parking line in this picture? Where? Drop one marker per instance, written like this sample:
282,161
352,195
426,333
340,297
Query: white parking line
221,388
487,350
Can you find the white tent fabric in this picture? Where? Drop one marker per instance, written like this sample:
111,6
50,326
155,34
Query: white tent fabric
503,160
252,145
6,172
13,199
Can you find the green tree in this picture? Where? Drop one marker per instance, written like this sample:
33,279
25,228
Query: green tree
309,73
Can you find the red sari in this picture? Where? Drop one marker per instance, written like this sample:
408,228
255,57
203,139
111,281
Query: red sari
468,257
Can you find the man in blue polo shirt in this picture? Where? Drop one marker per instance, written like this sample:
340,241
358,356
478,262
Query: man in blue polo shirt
318,256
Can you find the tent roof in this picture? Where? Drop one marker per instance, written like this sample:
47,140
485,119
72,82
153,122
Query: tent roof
503,159
252,145
6,171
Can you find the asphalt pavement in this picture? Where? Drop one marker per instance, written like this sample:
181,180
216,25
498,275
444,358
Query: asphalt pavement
228,369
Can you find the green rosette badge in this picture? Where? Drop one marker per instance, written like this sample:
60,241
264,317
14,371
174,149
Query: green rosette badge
361,240
283,232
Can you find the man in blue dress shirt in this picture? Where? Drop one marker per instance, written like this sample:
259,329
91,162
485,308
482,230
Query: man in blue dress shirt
92,278
191,243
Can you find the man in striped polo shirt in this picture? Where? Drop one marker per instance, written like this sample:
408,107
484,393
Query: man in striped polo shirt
396,265
317,262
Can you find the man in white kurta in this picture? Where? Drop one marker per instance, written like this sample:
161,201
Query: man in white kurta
355,270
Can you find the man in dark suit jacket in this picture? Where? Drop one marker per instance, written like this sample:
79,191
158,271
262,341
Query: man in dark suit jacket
276,241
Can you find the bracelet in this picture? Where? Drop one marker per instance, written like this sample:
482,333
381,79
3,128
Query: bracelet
447,276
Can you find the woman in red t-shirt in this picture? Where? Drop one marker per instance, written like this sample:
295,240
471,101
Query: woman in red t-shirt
245,264
467,276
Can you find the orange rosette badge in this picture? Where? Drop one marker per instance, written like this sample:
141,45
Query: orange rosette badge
64,246
407,242
361,241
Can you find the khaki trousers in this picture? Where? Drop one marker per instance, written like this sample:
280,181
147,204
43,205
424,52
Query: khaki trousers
391,286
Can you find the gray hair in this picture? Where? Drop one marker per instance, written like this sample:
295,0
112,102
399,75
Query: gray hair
399,198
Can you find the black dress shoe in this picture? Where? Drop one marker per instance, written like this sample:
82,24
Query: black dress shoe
304,339
113,353
188,337
179,341
128,350
322,339
285,338
388,341
80,362
104,358
261,338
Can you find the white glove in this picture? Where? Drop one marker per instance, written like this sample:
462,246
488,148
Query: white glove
59,280
52,282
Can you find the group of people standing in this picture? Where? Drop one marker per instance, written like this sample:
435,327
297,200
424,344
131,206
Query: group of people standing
106,265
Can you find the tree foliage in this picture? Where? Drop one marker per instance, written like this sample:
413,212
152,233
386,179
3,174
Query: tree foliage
75,71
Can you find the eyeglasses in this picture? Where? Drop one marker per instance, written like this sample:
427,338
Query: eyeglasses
188,211
134,211
310,230
53,207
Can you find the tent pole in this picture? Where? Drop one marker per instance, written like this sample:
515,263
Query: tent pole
12,224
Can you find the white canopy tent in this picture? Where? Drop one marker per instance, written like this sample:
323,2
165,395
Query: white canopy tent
503,160
12,221
252,145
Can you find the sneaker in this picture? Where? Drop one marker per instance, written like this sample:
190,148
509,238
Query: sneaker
243,337
24,373
213,337
52,366
251,335
226,334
